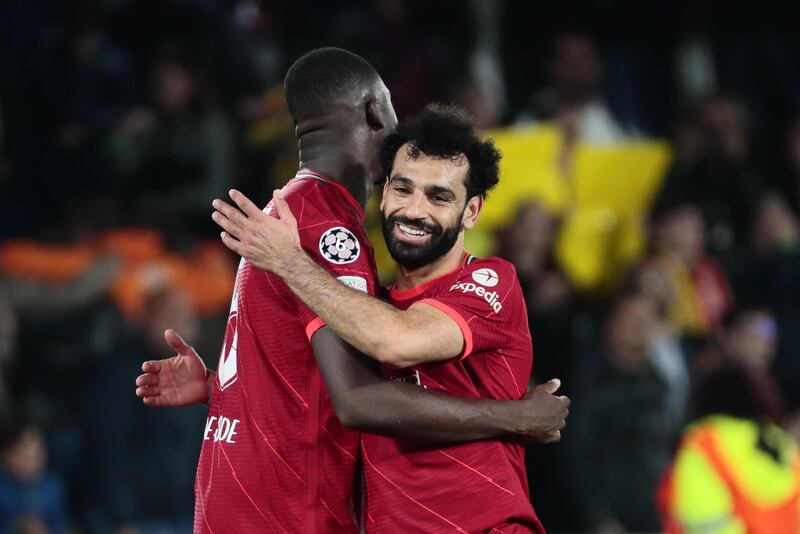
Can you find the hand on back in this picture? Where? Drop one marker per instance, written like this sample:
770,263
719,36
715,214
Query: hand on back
271,244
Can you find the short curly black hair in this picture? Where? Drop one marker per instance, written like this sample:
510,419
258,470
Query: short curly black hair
446,132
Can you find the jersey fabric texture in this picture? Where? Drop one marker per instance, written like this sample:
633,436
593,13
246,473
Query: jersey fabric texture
474,487
275,457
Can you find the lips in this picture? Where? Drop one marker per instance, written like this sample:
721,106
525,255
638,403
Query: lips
410,233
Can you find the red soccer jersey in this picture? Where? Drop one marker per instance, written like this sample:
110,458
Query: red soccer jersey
474,487
275,457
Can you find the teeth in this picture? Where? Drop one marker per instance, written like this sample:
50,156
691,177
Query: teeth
411,231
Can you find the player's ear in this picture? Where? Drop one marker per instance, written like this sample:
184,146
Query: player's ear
372,111
471,212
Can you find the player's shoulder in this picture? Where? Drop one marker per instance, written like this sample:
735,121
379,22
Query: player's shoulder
306,190
491,270
322,198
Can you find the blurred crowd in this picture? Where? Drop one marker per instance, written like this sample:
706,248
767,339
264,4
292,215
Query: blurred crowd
120,120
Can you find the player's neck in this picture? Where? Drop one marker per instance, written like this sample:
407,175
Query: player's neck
329,152
341,171
408,277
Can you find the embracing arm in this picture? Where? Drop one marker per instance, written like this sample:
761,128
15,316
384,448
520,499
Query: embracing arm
366,401
400,338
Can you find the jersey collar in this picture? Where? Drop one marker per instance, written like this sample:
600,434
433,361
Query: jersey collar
306,174
410,293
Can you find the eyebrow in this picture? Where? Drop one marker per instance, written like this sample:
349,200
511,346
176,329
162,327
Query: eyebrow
430,190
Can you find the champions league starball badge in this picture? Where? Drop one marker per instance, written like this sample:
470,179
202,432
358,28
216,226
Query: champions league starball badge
338,245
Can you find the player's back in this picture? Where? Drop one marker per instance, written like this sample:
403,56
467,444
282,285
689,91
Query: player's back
275,458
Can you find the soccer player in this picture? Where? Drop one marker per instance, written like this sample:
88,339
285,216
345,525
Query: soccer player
275,455
455,323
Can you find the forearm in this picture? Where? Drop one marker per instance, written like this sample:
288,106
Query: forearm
364,400
367,323
404,410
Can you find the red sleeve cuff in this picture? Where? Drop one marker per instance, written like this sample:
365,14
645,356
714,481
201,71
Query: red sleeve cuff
462,324
313,326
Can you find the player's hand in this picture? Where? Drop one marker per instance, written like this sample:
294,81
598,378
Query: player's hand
268,243
178,381
544,413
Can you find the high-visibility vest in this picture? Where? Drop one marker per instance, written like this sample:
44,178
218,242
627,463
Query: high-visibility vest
722,482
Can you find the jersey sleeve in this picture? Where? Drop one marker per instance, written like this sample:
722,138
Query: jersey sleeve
336,242
487,304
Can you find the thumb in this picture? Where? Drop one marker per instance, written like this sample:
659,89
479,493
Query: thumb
551,386
176,342
284,212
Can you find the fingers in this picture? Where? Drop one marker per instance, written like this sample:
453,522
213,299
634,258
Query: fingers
148,391
152,366
284,212
232,243
147,380
228,217
176,342
552,385
244,203
156,400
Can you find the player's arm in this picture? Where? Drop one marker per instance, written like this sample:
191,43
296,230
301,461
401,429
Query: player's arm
400,338
364,400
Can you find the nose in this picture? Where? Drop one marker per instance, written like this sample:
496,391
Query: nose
416,206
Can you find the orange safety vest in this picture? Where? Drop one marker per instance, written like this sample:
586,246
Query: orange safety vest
781,518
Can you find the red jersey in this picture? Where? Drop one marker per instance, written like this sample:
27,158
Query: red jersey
275,457
474,487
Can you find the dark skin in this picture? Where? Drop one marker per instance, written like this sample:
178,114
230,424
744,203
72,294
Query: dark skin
342,144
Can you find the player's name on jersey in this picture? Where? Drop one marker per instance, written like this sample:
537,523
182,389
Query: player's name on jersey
225,429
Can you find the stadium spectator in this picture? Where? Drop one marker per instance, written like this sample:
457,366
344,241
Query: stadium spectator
122,493
83,84
178,153
32,499
735,469
767,278
626,418
528,242
713,170
686,280
573,99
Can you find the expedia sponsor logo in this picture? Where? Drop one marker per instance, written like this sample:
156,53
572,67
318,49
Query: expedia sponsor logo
486,277
490,297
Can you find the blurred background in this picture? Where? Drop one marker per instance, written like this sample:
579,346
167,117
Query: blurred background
649,200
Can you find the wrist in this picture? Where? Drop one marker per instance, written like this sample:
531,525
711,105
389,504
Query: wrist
288,261
507,417
296,267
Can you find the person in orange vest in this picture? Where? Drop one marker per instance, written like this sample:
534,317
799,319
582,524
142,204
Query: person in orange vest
735,470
